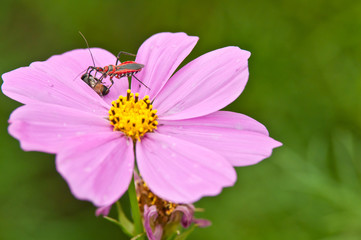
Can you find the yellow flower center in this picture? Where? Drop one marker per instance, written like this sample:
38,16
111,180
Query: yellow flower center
132,116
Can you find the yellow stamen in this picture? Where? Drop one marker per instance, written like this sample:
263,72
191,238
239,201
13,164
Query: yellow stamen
132,116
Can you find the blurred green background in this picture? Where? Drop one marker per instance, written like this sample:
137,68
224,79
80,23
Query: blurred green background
304,85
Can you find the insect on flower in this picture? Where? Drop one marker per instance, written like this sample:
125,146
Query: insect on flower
95,84
125,69
186,147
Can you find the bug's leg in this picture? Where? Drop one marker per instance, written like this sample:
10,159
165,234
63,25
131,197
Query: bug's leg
112,82
141,82
100,80
90,69
125,53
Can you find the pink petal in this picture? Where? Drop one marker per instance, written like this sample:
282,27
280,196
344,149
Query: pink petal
78,61
73,64
222,119
47,127
57,80
240,139
180,171
97,168
150,216
104,211
120,87
188,214
205,85
161,54
202,223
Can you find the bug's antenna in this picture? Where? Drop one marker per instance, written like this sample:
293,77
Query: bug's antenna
88,47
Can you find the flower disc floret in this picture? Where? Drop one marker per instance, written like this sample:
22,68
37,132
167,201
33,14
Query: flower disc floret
146,197
132,116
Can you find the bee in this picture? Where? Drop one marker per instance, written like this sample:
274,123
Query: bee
95,84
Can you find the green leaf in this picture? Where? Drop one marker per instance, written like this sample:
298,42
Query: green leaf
186,233
124,223
138,236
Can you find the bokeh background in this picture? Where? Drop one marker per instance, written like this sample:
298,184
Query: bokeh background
304,85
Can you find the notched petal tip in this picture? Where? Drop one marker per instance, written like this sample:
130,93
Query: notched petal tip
277,143
104,211
7,87
237,50
171,35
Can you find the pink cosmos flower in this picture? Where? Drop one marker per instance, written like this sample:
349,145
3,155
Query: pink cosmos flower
185,150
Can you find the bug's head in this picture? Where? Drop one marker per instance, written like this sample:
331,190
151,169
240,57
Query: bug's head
85,77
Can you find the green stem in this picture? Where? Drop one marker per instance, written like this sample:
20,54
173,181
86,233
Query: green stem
138,225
